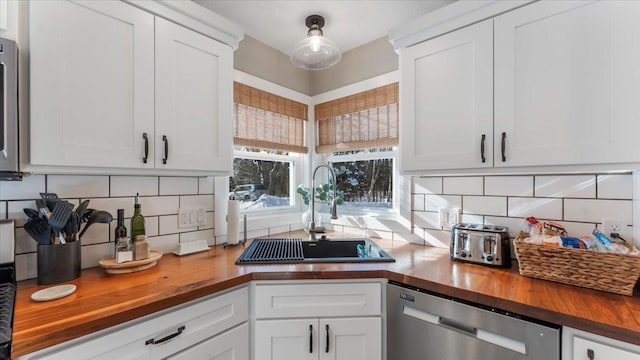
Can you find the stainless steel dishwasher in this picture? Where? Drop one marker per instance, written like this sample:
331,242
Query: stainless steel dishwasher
422,325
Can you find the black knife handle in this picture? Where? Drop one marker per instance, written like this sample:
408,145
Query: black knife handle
166,338
146,147
327,330
484,138
310,339
503,146
166,149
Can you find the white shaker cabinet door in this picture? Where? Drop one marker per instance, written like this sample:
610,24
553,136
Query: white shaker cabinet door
584,349
351,339
286,339
446,101
566,83
194,89
91,83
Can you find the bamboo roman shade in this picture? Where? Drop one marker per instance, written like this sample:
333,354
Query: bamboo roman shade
268,121
361,121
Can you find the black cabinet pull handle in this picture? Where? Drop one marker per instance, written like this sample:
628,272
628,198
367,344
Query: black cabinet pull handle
484,138
166,338
327,347
166,149
146,147
504,145
591,355
310,339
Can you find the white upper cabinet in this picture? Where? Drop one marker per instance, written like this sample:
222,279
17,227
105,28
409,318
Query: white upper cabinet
114,88
550,86
446,107
567,82
91,71
194,88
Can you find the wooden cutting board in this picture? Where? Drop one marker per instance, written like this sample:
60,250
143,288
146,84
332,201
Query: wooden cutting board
112,267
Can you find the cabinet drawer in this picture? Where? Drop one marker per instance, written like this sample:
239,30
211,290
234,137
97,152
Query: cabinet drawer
582,348
231,345
304,300
152,337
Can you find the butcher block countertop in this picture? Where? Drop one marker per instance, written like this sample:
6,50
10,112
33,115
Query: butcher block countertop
102,300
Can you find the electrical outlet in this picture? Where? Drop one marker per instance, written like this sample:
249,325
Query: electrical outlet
448,217
200,221
454,217
190,218
183,218
616,226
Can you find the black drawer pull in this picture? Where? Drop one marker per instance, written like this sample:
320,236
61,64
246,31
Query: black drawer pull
166,338
591,355
310,339
504,145
146,147
484,138
166,149
327,347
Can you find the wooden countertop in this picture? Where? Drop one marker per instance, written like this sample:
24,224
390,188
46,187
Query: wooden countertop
103,300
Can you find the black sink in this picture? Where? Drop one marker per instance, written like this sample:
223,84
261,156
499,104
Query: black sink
290,251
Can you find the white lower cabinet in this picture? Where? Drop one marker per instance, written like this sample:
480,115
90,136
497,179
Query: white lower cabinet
318,321
580,345
231,345
211,328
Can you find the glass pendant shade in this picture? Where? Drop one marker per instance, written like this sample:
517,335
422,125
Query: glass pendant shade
315,52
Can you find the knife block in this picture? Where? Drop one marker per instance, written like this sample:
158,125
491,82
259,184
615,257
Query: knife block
59,263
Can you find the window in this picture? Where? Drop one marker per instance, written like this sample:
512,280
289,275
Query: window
269,137
359,134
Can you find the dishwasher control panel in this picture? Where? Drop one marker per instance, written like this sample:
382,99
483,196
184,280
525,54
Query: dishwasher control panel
481,244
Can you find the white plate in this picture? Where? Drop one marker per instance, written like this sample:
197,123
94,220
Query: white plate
54,292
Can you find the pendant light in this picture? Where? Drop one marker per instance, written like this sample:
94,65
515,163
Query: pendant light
315,52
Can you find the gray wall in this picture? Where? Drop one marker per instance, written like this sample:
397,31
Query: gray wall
258,59
369,60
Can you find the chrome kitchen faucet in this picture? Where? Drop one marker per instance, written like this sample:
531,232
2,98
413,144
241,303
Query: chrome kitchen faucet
334,203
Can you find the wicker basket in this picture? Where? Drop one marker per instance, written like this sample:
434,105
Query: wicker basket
616,273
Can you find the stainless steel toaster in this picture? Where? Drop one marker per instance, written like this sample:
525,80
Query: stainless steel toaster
481,244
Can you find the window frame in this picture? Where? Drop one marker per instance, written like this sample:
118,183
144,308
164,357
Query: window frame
393,154
294,178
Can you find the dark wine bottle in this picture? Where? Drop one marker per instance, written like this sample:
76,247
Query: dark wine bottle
121,230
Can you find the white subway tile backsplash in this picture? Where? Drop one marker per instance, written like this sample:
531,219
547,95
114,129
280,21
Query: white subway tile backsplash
178,185
437,202
472,185
159,205
427,185
437,238
151,225
29,188
571,186
75,186
91,254
508,185
577,229
540,208
130,185
485,205
473,219
206,185
515,225
97,234
16,213
429,220
166,244
169,225
197,202
26,266
418,202
615,186
587,210
24,242
113,204
209,221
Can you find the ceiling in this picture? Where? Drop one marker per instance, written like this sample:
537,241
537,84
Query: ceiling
281,24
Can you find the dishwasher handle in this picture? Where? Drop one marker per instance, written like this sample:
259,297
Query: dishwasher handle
452,324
